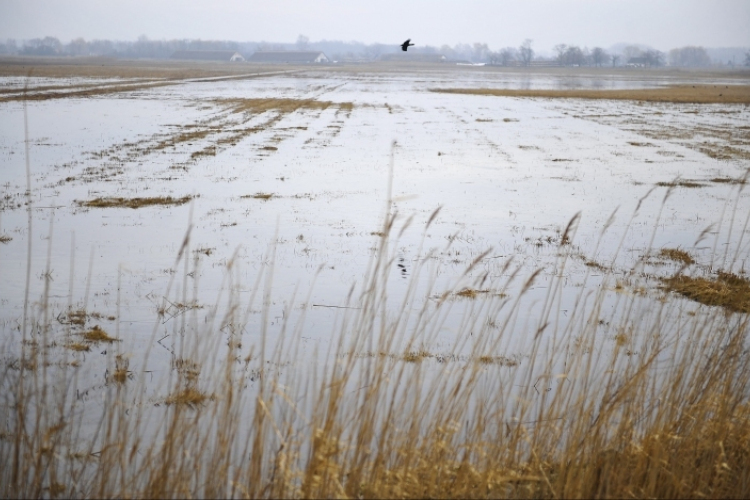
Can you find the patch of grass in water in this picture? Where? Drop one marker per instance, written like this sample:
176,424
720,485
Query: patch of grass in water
77,317
496,360
284,105
258,196
686,184
676,255
727,290
727,180
78,347
470,293
415,356
5,238
187,397
97,334
117,202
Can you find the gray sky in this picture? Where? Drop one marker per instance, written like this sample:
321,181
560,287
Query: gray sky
662,24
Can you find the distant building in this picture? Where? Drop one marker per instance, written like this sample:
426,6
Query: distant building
412,57
208,55
288,57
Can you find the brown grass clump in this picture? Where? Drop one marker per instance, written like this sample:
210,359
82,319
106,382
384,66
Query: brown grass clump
415,356
76,317
686,184
727,290
259,196
187,368
470,293
728,180
676,255
284,105
78,347
496,360
188,396
121,372
134,202
96,334
698,94
5,238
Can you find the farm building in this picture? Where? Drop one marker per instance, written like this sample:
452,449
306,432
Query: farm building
288,56
208,55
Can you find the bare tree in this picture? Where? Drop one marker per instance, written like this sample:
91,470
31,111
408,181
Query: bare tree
654,57
631,52
373,51
78,47
615,58
570,55
480,52
525,52
9,47
689,56
599,56
463,51
303,42
47,46
574,56
560,49
508,55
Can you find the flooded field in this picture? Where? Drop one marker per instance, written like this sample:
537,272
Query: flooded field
137,214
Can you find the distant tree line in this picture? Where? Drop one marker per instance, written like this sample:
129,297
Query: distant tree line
523,55
143,47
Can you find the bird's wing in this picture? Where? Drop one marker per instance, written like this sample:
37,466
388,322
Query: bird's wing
406,42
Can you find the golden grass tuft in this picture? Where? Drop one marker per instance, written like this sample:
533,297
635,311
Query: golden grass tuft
415,356
496,360
728,180
116,202
259,196
73,317
188,396
97,334
727,290
686,184
280,104
470,293
676,255
78,346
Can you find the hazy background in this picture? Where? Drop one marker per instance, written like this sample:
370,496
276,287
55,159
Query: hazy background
662,25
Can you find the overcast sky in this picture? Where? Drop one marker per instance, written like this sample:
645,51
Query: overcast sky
662,24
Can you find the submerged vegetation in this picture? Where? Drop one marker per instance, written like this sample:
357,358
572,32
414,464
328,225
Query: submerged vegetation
133,202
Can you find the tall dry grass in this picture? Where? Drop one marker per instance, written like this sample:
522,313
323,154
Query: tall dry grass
660,411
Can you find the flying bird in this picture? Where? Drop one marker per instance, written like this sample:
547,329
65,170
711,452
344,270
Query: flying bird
406,45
